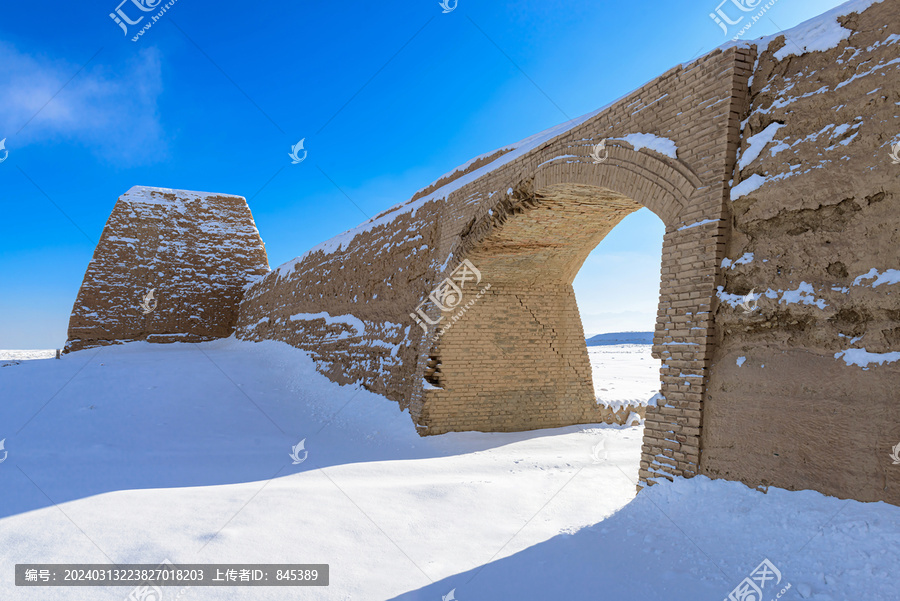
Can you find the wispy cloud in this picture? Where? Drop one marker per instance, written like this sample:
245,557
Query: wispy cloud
111,112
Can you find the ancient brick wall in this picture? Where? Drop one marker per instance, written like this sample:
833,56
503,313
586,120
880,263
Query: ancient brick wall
805,390
348,301
525,217
195,251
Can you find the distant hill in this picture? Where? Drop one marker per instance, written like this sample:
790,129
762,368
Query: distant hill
621,338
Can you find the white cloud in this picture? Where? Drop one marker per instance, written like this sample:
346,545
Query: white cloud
112,112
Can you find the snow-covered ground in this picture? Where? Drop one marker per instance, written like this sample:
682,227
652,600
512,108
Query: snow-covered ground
140,453
26,355
624,374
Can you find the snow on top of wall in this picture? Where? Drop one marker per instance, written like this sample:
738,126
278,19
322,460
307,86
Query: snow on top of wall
890,276
756,144
618,404
144,195
811,35
663,146
638,141
520,148
817,34
862,357
219,227
465,166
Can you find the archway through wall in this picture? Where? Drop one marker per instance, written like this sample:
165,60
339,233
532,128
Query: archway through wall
516,359
617,293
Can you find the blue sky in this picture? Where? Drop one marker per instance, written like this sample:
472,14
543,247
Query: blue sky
389,96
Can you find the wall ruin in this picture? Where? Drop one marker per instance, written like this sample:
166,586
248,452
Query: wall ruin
804,391
195,251
767,161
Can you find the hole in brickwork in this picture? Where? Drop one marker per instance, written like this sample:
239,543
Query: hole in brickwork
433,370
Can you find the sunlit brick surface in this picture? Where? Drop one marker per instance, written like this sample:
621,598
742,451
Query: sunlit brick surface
195,250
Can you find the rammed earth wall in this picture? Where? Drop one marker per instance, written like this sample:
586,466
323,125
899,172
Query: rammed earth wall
194,251
804,392
770,168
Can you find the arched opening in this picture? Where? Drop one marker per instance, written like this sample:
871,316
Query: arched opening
617,293
516,359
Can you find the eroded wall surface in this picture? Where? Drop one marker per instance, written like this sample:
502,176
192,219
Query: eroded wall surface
804,390
194,251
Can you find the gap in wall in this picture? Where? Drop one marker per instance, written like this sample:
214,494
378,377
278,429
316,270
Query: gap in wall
617,291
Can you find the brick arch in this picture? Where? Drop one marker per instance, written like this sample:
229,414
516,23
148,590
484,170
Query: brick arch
516,359
355,301
662,184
